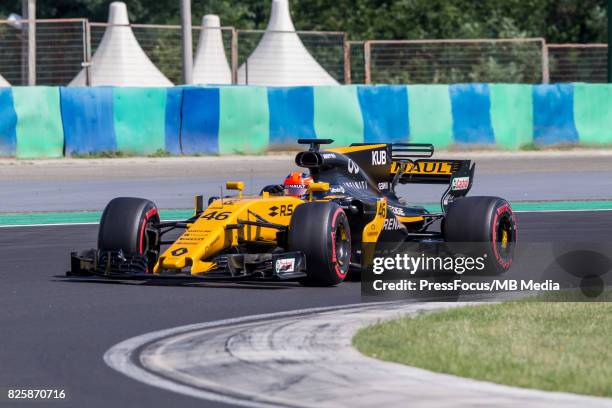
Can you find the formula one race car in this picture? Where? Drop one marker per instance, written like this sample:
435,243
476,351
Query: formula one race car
351,206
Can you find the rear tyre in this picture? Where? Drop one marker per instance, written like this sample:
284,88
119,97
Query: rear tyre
127,225
321,231
487,220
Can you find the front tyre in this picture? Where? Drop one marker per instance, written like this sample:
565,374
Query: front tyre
127,225
485,226
320,230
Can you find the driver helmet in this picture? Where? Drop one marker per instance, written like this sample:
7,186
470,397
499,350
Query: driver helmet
296,184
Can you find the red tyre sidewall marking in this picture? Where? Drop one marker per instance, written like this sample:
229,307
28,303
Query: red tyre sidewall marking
504,208
149,214
333,238
147,217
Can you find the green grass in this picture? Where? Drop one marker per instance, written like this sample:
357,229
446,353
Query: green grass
110,154
160,153
550,346
530,147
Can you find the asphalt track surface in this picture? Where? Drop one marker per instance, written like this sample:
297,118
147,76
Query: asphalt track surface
77,184
55,332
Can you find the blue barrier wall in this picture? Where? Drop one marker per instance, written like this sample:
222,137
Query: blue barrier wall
87,115
384,110
291,113
8,124
200,121
471,108
224,120
553,120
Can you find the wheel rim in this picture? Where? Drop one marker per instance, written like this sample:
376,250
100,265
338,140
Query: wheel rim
342,245
505,237
150,249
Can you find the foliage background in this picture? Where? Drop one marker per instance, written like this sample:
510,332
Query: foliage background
559,21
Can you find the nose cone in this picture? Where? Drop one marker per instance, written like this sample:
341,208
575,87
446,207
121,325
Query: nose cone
174,263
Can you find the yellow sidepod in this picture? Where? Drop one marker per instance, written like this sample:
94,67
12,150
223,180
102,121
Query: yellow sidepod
219,227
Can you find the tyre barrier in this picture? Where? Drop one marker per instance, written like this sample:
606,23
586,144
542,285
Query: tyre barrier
67,121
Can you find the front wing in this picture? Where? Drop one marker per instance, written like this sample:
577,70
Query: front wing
230,267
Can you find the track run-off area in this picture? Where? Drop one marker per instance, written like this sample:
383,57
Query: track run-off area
305,359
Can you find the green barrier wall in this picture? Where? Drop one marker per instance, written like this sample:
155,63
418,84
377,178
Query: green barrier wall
511,114
430,115
593,113
39,122
244,120
49,121
139,119
337,115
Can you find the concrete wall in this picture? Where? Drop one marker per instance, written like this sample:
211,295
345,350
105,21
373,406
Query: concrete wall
52,121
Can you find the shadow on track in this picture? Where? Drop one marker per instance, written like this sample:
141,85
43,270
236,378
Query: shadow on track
182,282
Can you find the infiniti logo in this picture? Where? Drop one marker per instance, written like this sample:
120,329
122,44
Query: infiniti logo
352,167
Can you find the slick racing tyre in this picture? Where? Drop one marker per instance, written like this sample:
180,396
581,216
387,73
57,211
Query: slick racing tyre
482,227
127,225
321,231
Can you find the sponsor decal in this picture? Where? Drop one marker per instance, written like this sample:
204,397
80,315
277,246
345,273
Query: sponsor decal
285,265
382,208
383,186
425,167
357,185
397,210
460,183
282,210
337,189
392,224
352,167
328,156
216,215
179,252
379,157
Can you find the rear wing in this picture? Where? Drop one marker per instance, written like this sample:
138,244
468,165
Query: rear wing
429,171
410,163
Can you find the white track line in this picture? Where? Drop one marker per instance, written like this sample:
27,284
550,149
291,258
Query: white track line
96,223
292,359
120,357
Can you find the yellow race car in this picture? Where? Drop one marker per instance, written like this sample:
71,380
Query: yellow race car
351,206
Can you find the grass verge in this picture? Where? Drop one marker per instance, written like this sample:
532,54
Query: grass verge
561,346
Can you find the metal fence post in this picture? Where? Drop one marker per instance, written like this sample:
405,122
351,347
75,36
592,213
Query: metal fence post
545,63
29,7
187,42
87,52
347,60
367,61
609,41
234,56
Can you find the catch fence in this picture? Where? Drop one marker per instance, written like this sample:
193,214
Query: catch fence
521,60
63,47
578,62
59,49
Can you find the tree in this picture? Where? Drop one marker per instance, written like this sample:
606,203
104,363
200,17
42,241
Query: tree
580,21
